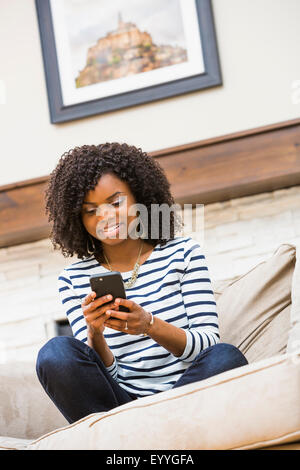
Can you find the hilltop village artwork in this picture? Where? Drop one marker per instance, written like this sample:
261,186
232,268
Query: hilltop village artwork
102,55
126,51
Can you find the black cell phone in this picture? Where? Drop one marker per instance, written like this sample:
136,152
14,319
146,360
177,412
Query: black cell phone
109,283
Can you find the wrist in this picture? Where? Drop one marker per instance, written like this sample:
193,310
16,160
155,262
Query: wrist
92,331
150,324
93,335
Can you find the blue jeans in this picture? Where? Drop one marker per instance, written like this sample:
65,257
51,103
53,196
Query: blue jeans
77,381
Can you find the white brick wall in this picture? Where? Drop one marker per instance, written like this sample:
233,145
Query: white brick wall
28,297
238,234
242,232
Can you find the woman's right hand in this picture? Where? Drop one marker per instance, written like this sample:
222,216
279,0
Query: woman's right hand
95,312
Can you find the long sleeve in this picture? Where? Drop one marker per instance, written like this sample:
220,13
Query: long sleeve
199,302
71,304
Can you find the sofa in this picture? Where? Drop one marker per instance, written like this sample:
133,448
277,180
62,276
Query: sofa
256,406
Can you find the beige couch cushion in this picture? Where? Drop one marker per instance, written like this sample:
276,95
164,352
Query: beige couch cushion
254,406
255,309
11,443
26,411
294,335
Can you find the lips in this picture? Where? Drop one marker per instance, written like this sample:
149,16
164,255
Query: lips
110,227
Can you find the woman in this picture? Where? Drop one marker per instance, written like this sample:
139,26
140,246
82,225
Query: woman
169,337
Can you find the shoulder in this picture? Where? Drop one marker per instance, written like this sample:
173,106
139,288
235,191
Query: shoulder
192,252
181,247
76,267
185,244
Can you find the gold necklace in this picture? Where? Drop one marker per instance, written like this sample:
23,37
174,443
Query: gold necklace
134,275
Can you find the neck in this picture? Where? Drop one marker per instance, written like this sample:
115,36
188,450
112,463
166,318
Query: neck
124,252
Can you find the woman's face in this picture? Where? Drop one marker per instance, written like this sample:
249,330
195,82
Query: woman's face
105,210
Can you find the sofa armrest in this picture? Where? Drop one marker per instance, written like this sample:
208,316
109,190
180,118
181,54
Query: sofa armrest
25,409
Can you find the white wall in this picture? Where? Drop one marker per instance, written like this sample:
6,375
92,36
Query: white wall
259,46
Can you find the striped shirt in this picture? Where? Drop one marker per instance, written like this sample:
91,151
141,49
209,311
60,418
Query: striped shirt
173,284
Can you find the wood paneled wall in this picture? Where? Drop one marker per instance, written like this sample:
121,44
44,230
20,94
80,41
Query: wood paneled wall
207,171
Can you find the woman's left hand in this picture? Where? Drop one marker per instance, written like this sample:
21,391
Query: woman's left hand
134,322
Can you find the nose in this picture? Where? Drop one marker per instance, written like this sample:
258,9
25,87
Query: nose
106,215
106,211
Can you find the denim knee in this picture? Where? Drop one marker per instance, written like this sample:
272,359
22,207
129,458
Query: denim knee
231,354
55,355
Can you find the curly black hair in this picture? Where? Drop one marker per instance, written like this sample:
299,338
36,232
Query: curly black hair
79,170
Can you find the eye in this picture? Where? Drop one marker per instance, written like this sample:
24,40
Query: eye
93,211
117,203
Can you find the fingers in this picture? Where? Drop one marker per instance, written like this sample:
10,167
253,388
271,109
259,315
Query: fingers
127,303
90,304
88,299
117,314
119,320
102,310
91,315
98,321
119,325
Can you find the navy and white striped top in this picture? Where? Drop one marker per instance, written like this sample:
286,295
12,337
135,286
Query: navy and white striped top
174,284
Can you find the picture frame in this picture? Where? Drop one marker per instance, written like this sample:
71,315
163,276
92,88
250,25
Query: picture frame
161,70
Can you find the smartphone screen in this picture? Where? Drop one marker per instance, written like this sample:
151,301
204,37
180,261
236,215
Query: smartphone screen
109,283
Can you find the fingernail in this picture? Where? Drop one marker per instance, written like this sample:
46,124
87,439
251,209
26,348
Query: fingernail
117,301
108,296
108,312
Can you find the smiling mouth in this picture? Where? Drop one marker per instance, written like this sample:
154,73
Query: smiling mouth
111,228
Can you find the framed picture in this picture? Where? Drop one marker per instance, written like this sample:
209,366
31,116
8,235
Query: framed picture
104,55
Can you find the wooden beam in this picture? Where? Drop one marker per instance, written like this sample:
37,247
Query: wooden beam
235,165
22,216
218,169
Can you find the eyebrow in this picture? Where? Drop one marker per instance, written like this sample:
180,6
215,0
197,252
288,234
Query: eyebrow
107,199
